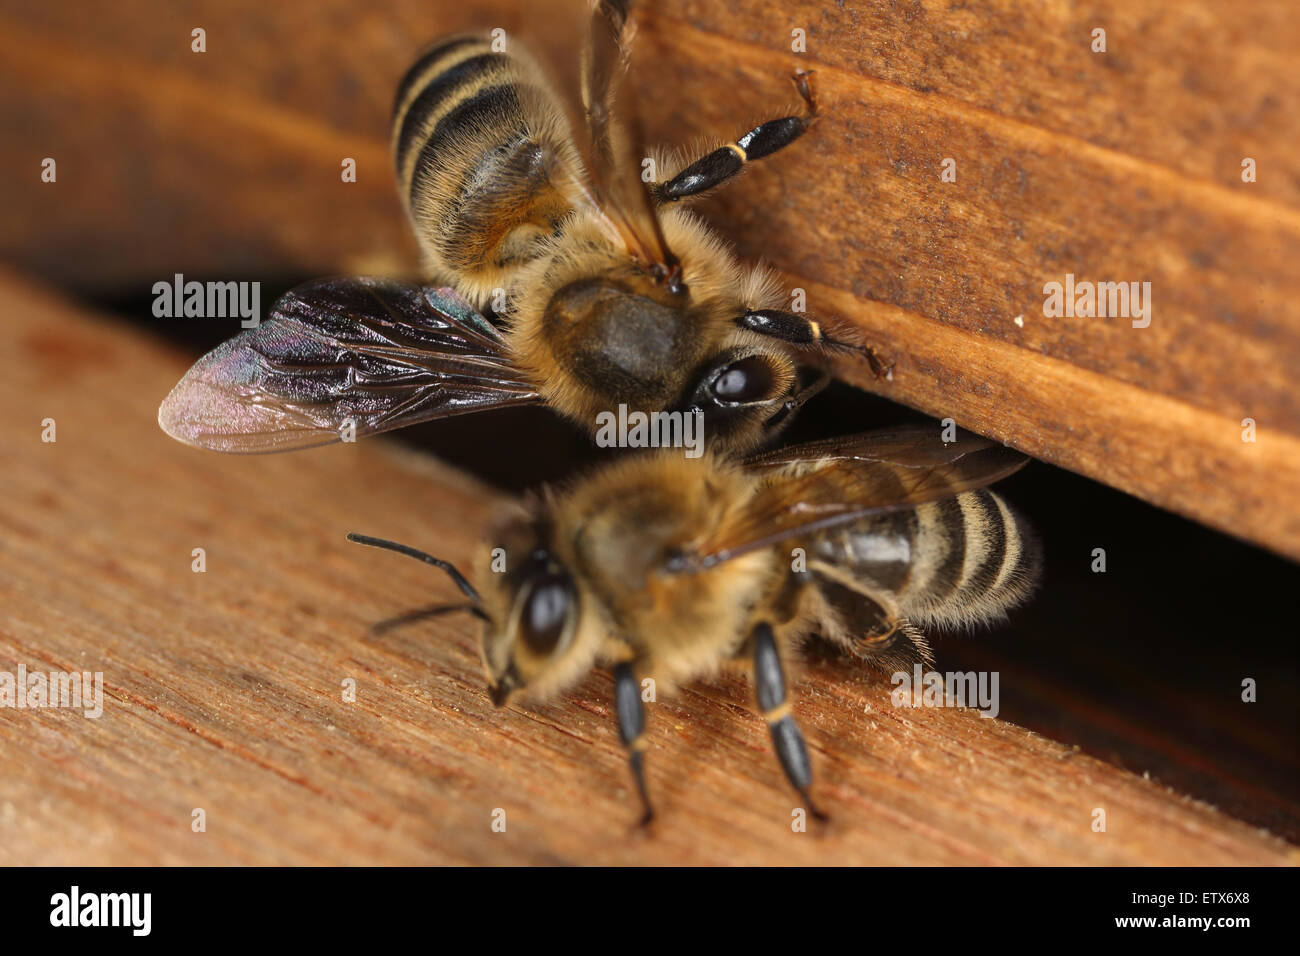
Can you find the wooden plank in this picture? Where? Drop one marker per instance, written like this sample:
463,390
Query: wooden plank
1122,166
224,688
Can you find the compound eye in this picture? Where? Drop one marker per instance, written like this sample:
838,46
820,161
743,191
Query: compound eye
546,612
743,381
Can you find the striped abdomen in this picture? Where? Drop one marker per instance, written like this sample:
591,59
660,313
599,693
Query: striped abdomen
953,561
472,140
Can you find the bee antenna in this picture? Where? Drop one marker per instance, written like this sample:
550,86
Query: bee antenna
465,587
424,613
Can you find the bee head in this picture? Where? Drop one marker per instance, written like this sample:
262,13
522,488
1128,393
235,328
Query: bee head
745,395
531,637
638,346
597,330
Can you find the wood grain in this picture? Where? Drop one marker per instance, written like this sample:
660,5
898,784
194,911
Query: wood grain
1115,166
224,688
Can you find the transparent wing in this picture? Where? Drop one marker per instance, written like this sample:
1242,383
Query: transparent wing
617,166
905,446
820,485
372,354
586,87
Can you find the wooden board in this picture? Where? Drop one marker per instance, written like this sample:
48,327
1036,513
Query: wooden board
1115,166
224,689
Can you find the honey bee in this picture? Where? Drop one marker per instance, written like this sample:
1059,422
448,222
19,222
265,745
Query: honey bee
670,568
525,194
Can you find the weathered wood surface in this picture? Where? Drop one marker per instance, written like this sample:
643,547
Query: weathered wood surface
224,688
1115,166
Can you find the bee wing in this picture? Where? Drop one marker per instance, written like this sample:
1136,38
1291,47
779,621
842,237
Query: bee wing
586,88
906,446
377,353
820,485
616,165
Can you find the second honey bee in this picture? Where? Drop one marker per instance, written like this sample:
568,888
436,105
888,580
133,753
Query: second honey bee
524,189
665,567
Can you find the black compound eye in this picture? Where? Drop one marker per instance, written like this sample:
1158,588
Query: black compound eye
546,612
745,380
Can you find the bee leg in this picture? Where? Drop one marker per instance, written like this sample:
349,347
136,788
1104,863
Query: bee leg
631,730
717,167
769,681
799,395
796,329
805,390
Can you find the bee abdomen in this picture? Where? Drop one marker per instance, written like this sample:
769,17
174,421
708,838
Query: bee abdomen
450,82
470,163
972,559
